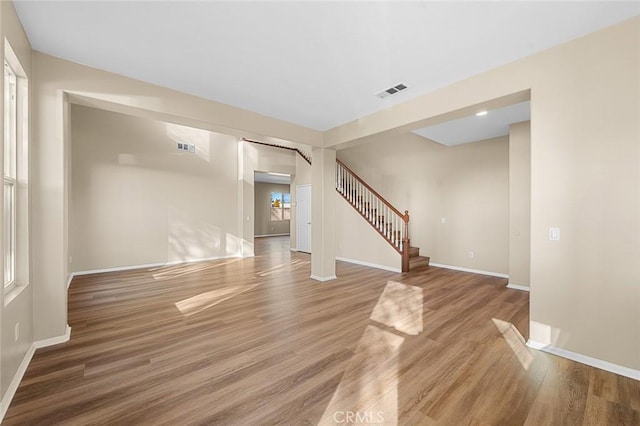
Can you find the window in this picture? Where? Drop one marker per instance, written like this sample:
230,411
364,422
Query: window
280,206
14,230
9,175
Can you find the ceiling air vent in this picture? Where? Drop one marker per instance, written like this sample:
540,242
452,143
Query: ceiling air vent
391,91
186,147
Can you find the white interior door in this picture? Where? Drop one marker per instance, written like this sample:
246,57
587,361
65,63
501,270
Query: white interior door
303,218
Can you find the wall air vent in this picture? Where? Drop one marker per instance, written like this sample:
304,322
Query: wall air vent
391,91
186,147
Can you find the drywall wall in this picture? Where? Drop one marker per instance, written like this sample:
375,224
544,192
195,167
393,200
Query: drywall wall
56,83
519,203
585,177
467,186
137,200
263,224
17,306
356,240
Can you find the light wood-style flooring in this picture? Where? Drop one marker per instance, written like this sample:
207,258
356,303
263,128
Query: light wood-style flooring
255,341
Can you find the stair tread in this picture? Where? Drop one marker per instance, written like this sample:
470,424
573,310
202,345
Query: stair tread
418,263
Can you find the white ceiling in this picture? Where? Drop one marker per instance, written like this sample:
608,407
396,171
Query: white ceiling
474,128
272,178
314,63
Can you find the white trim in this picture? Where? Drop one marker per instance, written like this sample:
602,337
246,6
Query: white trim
474,271
152,265
323,279
271,235
53,340
22,368
584,359
518,287
71,275
15,382
13,294
293,249
370,265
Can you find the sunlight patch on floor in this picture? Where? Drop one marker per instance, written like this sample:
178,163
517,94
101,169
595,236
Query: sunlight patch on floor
400,307
369,386
274,270
168,272
368,391
515,341
206,300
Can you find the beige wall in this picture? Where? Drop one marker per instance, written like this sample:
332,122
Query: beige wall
357,240
519,203
263,223
467,185
16,307
57,82
585,174
137,200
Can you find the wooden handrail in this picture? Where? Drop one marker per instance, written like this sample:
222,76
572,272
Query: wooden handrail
387,220
405,215
302,154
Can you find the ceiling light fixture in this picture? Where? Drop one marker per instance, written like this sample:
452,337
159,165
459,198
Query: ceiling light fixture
481,113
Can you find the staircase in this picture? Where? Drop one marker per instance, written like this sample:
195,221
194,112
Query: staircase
389,222
417,262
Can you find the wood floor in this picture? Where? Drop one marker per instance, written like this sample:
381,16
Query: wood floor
255,341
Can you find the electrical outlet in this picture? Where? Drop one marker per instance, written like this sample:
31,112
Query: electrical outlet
472,255
17,331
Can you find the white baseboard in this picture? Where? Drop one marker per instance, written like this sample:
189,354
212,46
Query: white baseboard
584,359
518,287
322,279
22,368
474,271
271,235
370,265
15,382
69,279
150,265
293,249
53,340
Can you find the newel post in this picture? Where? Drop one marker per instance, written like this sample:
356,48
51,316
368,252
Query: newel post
405,243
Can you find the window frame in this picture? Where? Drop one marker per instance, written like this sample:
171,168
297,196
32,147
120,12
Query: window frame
15,247
282,208
10,176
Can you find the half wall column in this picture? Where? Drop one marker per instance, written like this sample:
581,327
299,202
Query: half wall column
323,216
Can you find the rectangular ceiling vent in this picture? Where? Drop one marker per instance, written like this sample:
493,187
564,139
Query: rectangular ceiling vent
391,91
186,147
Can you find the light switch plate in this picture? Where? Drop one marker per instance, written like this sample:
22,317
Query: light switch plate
554,234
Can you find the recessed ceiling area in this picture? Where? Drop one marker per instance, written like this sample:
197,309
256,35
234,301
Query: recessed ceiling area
270,177
314,63
474,128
